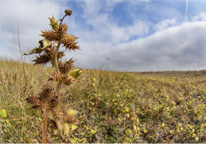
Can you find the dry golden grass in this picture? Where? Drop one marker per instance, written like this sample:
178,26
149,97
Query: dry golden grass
113,106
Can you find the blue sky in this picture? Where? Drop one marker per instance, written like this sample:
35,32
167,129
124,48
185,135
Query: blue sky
135,35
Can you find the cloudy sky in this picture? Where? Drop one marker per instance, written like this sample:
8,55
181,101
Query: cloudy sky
122,35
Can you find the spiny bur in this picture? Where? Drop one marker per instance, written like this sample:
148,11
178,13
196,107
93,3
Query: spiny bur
48,101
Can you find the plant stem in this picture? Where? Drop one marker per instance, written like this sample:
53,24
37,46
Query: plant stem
44,128
57,69
55,58
62,19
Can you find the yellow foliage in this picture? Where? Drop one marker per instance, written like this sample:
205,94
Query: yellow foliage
128,131
127,109
127,115
68,128
72,112
3,113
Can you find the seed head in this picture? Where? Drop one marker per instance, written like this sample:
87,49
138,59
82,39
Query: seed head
67,66
70,43
68,12
55,77
46,93
44,58
60,54
33,100
50,35
54,102
69,80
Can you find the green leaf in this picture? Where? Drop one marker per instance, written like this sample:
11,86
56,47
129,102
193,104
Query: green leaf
73,140
75,73
92,131
196,138
8,124
54,24
29,140
73,127
118,95
3,113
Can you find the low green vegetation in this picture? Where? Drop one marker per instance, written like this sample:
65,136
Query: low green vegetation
113,106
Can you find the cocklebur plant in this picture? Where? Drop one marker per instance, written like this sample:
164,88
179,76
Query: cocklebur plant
48,101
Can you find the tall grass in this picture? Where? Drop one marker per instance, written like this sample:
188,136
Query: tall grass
115,106
15,87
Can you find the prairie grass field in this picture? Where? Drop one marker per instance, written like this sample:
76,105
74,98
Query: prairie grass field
114,107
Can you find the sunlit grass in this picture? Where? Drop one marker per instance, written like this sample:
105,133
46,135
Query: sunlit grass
115,106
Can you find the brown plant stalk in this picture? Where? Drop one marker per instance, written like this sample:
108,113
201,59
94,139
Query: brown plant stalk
58,87
48,100
44,128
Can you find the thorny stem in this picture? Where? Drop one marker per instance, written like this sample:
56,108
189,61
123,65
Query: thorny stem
56,67
57,70
57,93
58,46
58,84
57,88
55,59
44,128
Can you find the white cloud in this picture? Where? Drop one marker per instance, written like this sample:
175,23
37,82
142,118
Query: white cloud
106,28
136,2
122,34
111,3
171,47
176,48
164,24
31,16
199,17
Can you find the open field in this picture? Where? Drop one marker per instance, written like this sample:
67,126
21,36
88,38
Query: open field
115,106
